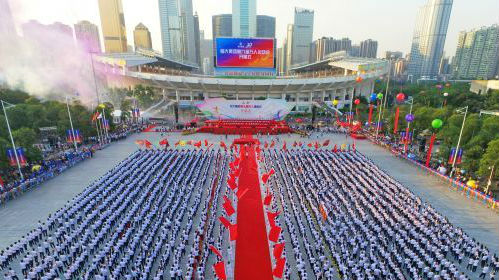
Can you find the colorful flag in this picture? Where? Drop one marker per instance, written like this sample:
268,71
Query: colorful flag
323,212
78,137
69,136
164,142
12,157
326,143
279,268
22,157
451,155
459,156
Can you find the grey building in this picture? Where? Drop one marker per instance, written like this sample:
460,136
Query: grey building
303,30
477,54
222,26
369,48
197,40
177,30
321,47
244,18
429,38
265,26
87,36
393,55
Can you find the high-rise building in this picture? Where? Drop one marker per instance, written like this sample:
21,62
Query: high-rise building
244,18
113,25
289,47
393,55
429,38
303,32
355,51
321,47
399,67
177,30
369,48
7,28
197,40
265,26
281,60
222,26
87,36
206,53
477,54
142,37
444,68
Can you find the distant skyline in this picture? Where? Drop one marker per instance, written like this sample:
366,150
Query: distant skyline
390,22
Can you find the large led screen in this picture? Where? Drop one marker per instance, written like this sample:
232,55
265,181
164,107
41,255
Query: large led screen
245,52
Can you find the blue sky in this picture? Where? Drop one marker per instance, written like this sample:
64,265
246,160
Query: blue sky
391,22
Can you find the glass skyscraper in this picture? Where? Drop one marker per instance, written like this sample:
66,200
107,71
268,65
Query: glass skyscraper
243,18
429,38
177,30
265,26
303,30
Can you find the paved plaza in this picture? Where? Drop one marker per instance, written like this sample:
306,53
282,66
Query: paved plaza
22,214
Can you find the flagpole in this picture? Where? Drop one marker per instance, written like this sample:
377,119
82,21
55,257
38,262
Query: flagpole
105,123
12,140
71,122
459,140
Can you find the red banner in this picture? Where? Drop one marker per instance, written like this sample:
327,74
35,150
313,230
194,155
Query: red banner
370,118
396,124
430,148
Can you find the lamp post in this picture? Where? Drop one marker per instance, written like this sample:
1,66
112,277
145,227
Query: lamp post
489,183
409,118
461,111
12,138
71,123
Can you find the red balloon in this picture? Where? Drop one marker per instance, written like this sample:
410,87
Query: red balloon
359,79
400,97
357,101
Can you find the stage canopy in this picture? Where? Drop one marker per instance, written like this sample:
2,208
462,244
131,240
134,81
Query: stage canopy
269,109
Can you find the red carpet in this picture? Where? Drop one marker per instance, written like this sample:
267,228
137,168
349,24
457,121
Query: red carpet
252,249
150,128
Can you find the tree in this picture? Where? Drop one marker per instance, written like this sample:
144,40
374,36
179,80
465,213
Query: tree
490,158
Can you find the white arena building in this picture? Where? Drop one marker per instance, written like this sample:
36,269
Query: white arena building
336,77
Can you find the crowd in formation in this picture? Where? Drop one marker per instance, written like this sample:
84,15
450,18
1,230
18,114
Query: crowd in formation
147,218
343,211
155,216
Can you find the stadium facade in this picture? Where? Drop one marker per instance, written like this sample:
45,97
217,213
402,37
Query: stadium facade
338,76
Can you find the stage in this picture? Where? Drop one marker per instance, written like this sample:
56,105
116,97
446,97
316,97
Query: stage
232,127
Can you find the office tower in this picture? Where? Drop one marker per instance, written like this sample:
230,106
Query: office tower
197,40
321,47
289,47
87,36
177,30
244,18
281,60
429,38
369,48
313,52
206,53
113,26
302,35
477,54
399,67
444,67
222,26
7,28
393,55
142,37
265,26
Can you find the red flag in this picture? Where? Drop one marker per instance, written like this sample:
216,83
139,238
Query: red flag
266,145
271,216
323,212
224,221
214,250
309,145
295,144
147,144
140,142
222,144
1,182
205,143
164,142
232,182
326,143
266,176
233,232
278,249
353,146
176,144
197,144
241,193
267,200
274,233
284,146
300,144
370,117
219,268
227,205
236,161
335,148
279,268
316,145
272,144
